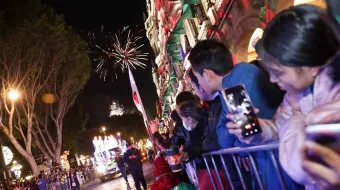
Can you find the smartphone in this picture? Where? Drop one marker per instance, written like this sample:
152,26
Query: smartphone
326,134
239,104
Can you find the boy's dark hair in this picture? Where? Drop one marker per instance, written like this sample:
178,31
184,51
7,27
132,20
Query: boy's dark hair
211,55
39,176
186,96
174,116
193,78
192,109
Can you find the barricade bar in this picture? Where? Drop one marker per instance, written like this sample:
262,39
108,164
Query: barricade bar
239,172
256,171
210,174
217,172
236,150
227,173
277,170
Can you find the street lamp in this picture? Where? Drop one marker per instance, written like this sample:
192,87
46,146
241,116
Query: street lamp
103,129
118,134
13,94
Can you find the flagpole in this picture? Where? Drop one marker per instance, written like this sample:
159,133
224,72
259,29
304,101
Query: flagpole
145,119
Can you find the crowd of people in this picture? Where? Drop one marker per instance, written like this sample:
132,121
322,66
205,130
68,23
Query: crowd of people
57,179
295,83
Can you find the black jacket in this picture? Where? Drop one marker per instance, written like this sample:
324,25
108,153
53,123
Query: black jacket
204,137
133,162
120,161
210,141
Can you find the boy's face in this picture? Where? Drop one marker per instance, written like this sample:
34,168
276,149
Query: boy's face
206,82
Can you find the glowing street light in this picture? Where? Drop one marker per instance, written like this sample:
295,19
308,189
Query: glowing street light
131,138
103,128
118,134
13,94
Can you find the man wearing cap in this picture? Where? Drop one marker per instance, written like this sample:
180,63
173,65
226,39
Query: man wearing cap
133,158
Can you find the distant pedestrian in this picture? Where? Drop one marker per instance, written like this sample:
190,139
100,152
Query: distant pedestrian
150,155
74,182
133,158
42,182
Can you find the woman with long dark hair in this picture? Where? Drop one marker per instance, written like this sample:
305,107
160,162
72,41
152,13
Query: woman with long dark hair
297,50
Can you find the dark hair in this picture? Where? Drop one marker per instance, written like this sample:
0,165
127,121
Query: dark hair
298,36
174,116
39,176
256,62
211,55
192,109
186,96
192,77
336,68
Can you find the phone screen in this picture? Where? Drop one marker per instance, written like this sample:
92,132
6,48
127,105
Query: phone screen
239,104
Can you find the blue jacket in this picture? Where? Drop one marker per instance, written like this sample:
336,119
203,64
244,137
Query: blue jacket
266,97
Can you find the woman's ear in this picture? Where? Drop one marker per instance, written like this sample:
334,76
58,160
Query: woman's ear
315,71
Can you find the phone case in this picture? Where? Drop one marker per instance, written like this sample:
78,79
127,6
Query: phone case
239,104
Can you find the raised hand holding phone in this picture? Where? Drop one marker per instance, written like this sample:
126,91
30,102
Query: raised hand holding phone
244,122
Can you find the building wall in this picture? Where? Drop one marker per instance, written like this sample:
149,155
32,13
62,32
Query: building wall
246,16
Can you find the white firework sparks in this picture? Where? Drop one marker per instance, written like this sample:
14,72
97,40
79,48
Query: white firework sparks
123,50
116,109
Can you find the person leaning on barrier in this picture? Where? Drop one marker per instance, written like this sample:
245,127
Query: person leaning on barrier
213,66
304,73
179,135
213,105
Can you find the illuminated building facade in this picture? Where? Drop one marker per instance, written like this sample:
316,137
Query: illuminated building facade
174,27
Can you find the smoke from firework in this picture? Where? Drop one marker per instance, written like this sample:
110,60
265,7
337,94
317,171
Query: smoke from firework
113,51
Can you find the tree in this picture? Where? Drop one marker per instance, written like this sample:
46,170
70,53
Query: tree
75,133
38,55
65,83
23,58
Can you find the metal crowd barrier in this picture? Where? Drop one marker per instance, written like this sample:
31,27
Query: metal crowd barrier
270,148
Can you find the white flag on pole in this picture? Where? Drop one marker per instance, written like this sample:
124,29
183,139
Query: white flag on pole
135,95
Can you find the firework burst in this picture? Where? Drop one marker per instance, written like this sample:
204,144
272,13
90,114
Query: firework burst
116,109
119,50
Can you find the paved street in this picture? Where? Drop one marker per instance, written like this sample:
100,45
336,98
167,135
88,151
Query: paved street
119,183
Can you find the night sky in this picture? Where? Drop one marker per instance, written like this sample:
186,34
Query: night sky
90,15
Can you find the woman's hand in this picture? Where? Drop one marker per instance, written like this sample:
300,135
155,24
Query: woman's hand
235,127
326,177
